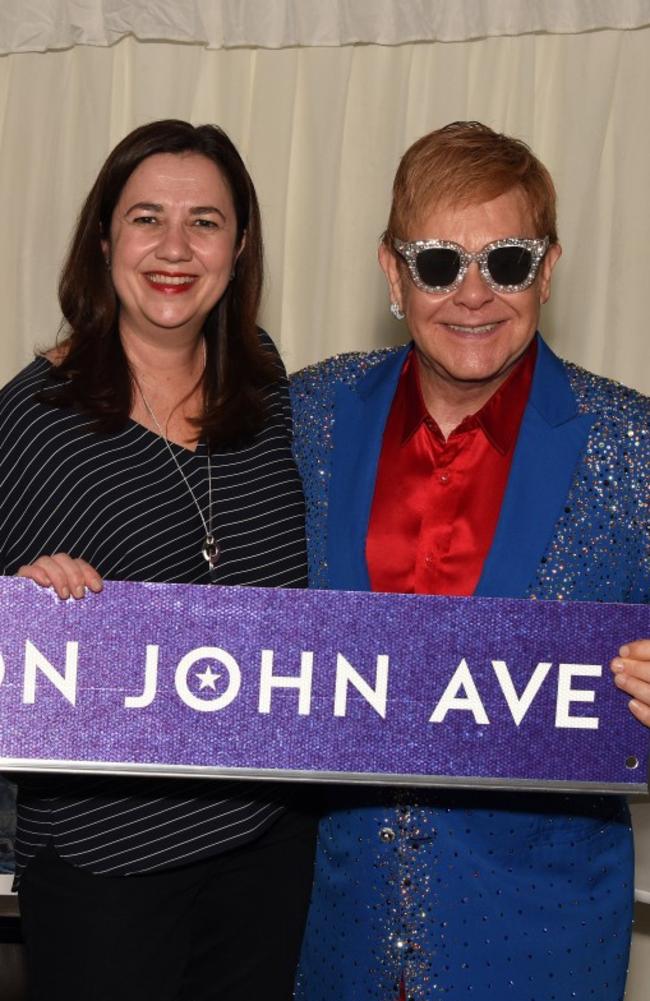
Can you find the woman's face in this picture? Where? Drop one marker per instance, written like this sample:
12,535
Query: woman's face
172,245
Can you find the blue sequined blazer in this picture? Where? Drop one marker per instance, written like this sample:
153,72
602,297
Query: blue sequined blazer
468,894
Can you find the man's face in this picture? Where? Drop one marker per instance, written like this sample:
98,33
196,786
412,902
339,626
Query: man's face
468,339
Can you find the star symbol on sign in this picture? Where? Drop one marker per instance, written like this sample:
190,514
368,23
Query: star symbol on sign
208,679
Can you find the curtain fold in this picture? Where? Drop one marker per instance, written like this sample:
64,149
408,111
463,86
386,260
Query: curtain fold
41,25
321,123
322,130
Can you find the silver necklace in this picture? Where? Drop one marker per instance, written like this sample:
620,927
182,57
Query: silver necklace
210,548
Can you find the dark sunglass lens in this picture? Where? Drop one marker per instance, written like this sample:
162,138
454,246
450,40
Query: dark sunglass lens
510,265
438,266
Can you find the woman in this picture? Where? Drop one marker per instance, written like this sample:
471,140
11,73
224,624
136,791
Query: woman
154,443
473,461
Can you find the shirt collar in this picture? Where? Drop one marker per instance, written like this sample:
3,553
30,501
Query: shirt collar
499,418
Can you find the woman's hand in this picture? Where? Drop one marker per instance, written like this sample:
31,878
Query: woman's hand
68,576
632,675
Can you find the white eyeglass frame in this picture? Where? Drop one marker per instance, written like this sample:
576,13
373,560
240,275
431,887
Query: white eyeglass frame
409,250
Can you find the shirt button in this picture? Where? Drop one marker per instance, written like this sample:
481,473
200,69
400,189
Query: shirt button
387,834
443,478
429,560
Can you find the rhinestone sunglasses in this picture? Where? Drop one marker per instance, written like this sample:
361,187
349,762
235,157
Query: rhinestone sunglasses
508,265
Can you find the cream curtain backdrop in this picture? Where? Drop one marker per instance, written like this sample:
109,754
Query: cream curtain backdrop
322,129
37,25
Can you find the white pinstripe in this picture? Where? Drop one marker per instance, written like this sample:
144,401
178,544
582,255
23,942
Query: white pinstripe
64,488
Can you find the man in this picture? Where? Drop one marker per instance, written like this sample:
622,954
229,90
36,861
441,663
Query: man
474,461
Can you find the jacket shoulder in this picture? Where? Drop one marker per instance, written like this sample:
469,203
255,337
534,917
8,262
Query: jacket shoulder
624,411
600,547
343,369
597,392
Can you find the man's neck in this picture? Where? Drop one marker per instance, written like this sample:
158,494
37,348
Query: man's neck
450,404
449,401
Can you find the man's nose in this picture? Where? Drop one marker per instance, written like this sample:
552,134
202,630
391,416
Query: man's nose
473,291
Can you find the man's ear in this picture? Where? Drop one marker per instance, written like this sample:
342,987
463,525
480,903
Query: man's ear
551,257
389,265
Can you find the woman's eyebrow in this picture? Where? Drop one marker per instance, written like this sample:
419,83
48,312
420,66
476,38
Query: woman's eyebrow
207,209
144,206
155,207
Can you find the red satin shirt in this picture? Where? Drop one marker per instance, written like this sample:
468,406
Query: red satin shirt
436,502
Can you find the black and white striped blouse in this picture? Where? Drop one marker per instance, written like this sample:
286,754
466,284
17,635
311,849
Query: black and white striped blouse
119,501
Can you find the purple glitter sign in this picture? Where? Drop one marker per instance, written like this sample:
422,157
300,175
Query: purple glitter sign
174,679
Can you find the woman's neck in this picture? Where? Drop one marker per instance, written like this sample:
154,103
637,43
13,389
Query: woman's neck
168,389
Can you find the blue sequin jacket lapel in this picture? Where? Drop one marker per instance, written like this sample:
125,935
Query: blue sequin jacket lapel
584,442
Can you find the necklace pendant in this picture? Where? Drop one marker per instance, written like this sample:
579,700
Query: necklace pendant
210,550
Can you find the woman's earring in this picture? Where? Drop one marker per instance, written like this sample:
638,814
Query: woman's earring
396,310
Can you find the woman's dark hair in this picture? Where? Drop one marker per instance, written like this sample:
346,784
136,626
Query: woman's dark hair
93,366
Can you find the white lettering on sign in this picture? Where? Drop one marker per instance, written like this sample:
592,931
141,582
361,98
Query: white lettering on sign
150,681
346,675
566,695
517,705
462,679
35,661
301,681
461,694
224,659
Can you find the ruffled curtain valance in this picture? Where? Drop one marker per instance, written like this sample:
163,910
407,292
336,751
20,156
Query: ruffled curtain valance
39,25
